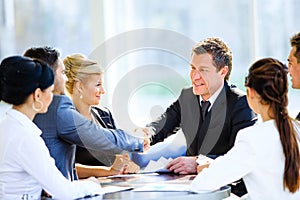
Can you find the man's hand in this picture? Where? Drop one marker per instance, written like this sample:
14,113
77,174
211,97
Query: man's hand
146,144
183,165
146,134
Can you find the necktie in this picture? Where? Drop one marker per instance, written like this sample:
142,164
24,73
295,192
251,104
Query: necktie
204,108
298,116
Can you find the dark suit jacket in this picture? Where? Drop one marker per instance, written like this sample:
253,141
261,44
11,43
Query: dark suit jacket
298,117
63,128
103,117
216,134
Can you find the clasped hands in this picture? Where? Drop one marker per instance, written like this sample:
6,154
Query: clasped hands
124,165
144,133
189,164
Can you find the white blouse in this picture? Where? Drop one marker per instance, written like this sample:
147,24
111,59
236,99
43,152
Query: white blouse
26,166
258,158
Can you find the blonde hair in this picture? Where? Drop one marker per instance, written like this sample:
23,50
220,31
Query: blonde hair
78,68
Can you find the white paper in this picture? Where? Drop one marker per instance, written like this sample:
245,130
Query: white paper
156,166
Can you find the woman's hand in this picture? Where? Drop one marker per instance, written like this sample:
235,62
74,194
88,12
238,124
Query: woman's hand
123,165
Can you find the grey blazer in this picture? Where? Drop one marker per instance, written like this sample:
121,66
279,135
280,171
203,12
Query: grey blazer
63,128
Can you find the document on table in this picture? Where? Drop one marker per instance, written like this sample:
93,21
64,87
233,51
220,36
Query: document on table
156,166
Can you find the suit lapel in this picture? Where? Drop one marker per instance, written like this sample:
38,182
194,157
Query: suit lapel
298,117
190,116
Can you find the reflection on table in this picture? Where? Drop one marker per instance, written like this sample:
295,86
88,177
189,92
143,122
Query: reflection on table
140,180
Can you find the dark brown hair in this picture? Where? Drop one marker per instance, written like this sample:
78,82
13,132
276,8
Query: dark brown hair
295,42
268,77
219,51
47,54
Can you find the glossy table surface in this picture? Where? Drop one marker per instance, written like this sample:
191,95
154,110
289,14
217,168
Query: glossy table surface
140,180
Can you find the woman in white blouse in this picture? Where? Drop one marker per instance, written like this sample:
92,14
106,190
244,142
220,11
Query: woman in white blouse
25,163
265,155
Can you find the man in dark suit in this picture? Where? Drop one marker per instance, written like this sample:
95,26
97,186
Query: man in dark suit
294,63
63,127
210,113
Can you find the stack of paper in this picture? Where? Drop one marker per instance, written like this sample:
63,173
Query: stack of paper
156,166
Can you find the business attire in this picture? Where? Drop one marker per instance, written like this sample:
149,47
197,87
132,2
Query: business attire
258,157
26,165
298,116
63,128
209,132
103,117
215,134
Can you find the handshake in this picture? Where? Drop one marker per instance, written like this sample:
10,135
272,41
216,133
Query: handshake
145,133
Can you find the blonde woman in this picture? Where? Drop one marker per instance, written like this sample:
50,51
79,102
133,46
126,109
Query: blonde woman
85,86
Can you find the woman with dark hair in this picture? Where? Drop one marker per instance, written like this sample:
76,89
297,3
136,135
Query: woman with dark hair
265,155
25,163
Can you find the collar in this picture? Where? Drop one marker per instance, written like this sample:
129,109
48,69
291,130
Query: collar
213,97
24,121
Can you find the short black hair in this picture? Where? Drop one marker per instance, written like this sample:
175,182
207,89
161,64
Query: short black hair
20,76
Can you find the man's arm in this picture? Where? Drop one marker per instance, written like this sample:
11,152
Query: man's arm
76,129
167,124
242,117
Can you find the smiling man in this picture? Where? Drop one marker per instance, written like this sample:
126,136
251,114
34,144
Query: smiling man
210,113
294,63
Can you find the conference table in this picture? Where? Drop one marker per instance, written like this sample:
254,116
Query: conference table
156,186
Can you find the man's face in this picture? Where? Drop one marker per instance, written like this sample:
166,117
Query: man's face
60,78
205,78
294,69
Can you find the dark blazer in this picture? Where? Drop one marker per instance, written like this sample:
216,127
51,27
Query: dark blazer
215,134
298,117
104,118
63,128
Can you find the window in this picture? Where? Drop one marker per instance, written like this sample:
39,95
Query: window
144,46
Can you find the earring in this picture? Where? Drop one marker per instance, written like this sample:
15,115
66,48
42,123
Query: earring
80,96
35,108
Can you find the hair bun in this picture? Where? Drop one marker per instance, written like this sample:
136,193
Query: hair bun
20,76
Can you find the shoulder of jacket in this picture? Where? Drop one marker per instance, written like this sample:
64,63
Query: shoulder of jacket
188,89
61,98
235,91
